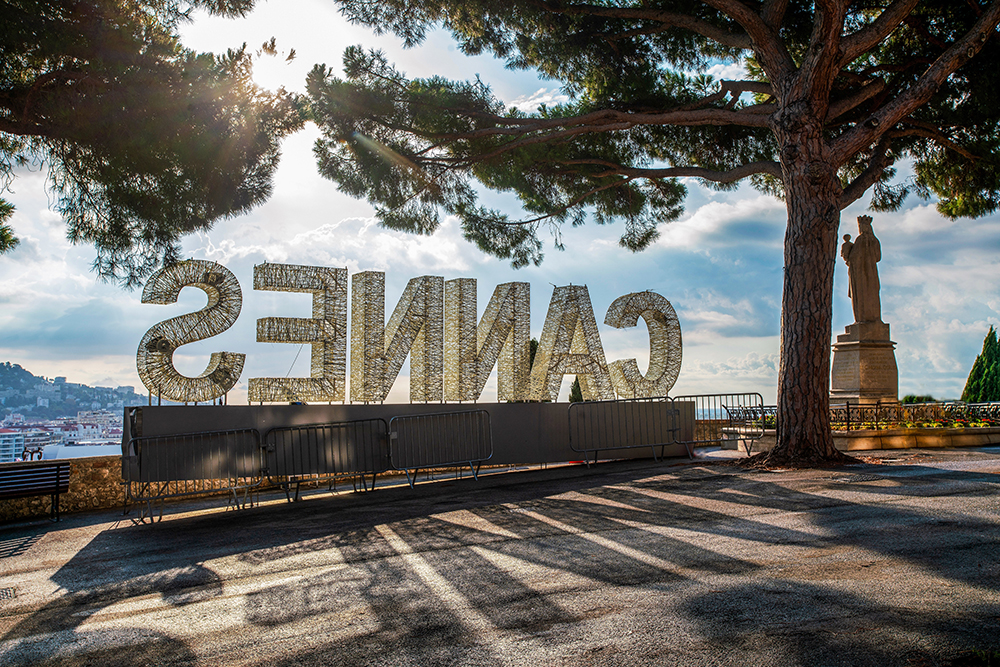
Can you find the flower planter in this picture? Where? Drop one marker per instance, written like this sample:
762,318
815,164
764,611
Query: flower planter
898,438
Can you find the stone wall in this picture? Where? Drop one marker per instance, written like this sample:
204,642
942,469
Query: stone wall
94,483
709,431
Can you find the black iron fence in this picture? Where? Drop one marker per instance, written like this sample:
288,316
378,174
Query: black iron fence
726,417
881,416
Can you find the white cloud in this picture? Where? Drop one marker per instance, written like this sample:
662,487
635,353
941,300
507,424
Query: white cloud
752,365
712,221
922,219
356,243
728,71
546,96
706,372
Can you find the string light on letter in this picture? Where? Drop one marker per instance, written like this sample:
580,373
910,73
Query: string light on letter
154,358
501,339
325,332
570,345
416,327
664,345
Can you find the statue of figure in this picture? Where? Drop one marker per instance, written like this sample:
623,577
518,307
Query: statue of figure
862,256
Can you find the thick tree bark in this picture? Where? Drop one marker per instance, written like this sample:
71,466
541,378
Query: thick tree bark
812,194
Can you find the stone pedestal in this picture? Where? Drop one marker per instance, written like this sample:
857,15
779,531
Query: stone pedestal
864,366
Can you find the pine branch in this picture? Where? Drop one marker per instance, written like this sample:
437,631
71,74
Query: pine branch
767,44
609,119
664,18
561,210
606,122
929,132
716,176
818,70
872,173
866,133
773,13
865,93
872,34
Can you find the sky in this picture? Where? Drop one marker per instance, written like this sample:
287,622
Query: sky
720,264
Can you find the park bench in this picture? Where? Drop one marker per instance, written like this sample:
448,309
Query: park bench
35,479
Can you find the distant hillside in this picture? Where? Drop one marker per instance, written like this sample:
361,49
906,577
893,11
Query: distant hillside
47,398
13,376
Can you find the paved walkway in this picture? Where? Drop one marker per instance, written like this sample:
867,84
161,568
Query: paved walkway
894,563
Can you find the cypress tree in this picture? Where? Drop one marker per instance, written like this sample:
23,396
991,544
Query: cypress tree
971,392
983,383
991,384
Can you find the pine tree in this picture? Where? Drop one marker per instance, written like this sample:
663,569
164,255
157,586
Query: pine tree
144,140
835,94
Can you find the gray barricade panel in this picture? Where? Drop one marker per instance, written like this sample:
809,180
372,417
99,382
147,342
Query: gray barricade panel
194,456
440,439
611,426
358,446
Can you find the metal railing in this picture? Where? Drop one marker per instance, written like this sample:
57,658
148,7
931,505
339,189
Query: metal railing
977,411
725,417
187,464
325,452
765,417
881,416
601,426
872,416
440,440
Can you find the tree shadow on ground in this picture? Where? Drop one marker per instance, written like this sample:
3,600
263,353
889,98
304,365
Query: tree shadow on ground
800,623
471,545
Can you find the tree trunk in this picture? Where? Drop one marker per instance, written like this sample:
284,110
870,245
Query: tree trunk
812,196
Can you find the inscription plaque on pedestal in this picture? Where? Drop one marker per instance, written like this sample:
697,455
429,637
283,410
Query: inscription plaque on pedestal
864,359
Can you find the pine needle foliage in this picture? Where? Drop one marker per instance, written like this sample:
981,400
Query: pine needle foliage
144,140
836,94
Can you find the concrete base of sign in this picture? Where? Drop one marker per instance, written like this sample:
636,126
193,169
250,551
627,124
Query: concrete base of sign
864,366
897,438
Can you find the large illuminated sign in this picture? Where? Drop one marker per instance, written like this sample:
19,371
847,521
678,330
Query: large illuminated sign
664,345
434,323
502,338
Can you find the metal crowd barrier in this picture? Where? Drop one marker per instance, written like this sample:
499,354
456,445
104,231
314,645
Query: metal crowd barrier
440,440
720,417
187,464
600,426
324,452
